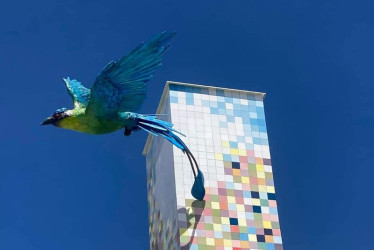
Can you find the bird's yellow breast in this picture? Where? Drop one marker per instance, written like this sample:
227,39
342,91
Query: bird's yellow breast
90,125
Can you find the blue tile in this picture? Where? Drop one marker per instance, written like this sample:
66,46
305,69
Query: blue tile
173,99
228,99
230,112
221,105
247,194
230,118
235,158
261,122
273,210
174,93
218,234
214,111
226,157
244,237
270,246
255,128
257,141
253,121
220,98
237,107
189,101
222,111
229,185
237,113
251,230
232,207
223,124
262,129
233,144
233,221
249,216
205,103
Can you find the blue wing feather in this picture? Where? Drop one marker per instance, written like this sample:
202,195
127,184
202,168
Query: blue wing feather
121,85
79,93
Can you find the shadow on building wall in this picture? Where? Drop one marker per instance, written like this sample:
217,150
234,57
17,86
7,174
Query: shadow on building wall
193,217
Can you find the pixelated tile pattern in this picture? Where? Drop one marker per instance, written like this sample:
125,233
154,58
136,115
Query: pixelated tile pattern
226,132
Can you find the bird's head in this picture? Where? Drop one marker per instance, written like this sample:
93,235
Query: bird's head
57,117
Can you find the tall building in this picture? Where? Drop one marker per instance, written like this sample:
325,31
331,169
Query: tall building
225,130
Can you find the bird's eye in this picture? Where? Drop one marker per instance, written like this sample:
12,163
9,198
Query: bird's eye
56,115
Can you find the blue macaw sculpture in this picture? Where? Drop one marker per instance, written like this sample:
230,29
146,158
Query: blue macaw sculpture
118,91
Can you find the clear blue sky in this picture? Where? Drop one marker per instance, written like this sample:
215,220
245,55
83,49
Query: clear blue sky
65,190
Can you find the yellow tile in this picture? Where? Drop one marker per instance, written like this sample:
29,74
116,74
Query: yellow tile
260,174
234,151
225,221
217,227
242,152
210,241
240,208
270,189
262,188
215,205
245,179
231,199
252,237
267,224
242,222
227,243
260,167
256,202
219,157
225,144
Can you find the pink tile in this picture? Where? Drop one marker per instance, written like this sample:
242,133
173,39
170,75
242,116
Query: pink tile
243,165
243,159
276,232
233,214
251,153
246,187
266,217
236,243
209,234
272,203
221,184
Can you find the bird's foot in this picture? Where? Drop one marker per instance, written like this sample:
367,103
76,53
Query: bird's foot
127,132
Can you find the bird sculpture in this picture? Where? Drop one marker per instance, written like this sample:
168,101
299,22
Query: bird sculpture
117,93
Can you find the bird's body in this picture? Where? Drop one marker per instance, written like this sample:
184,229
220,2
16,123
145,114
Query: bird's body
118,91
90,124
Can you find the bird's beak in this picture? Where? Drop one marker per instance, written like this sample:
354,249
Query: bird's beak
49,120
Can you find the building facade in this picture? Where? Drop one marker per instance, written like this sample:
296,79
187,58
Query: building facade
226,132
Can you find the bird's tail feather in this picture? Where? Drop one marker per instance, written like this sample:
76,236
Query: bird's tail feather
158,127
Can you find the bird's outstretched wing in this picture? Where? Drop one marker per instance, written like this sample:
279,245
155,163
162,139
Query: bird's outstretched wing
121,85
79,93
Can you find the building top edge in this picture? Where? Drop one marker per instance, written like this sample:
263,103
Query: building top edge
216,88
165,91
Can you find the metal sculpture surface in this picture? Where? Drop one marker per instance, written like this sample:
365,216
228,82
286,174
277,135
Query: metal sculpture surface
118,92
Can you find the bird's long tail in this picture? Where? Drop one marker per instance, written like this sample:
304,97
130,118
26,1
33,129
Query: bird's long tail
157,127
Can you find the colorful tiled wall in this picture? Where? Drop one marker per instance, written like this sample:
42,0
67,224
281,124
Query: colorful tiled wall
226,132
